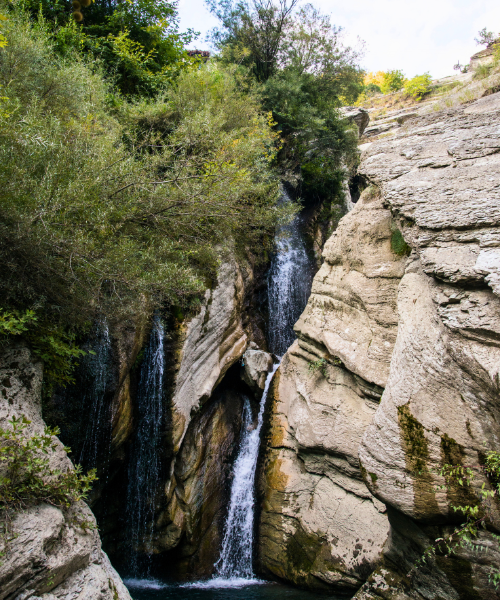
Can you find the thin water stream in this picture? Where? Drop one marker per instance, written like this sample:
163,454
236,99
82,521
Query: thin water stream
145,462
289,284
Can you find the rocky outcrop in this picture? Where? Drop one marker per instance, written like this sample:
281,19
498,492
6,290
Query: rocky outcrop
440,178
405,312
357,115
197,493
201,425
319,525
53,552
213,341
256,365
484,57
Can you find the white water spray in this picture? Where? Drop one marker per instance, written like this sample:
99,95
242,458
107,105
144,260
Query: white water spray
289,285
234,567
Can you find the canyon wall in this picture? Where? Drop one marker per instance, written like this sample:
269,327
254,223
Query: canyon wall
395,373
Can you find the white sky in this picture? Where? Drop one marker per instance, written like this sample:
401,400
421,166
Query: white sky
412,35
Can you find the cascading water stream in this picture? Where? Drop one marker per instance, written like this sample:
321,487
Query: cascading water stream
145,463
235,560
289,284
97,418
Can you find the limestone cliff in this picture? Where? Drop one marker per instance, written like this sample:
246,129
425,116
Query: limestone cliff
397,362
320,525
51,555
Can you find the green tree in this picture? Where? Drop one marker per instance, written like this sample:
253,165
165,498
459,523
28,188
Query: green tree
138,42
109,213
311,74
252,33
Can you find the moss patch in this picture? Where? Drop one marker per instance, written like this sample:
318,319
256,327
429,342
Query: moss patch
417,456
398,244
459,573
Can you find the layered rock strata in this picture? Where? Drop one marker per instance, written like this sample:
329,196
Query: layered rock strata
319,525
440,176
51,553
405,312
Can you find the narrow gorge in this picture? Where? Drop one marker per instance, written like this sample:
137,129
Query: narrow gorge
300,429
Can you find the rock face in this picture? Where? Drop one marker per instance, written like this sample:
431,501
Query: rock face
202,422
356,115
419,333
256,366
53,554
319,525
440,178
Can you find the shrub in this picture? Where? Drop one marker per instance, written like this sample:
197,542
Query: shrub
482,71
51,344
26,477
372,89
418,86
393,81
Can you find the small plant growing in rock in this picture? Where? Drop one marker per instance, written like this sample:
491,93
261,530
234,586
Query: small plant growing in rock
26,477
318,365
321,365
398,244
477,512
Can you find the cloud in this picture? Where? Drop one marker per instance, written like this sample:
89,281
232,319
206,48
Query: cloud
412,35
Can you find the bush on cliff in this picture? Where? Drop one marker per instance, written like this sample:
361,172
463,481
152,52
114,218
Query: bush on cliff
418,86
28,479
102,207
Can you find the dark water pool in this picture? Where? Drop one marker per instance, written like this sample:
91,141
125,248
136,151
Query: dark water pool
143,589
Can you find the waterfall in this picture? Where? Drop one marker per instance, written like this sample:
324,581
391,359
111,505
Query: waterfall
289,285
144,472
96,417
235,560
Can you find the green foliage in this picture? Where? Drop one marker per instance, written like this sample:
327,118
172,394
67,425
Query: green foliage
482,71
321,365
137,42
53,345
485,37
26,477
252,33
398,244
306,73
16,323
109,212
418,86
477,513
372,89
56,347
393,81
